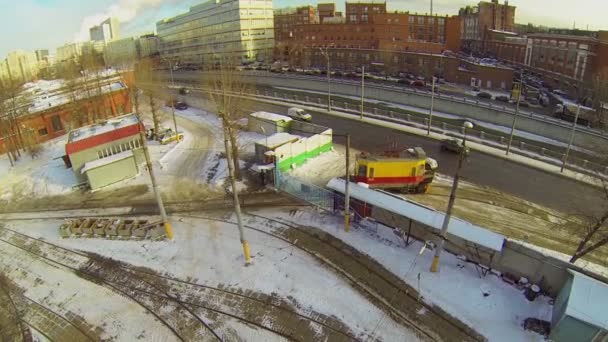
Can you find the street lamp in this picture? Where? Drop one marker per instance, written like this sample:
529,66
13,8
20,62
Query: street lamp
325,53
521,88
446,220
428,130
172,100
578,112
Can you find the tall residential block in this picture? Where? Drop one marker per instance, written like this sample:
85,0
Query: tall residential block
360,12
240,30
478,20
286,20
107,30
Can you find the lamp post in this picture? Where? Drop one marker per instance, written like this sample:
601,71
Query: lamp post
172,100
446,220
325,53
521,83
428,129
578,112
362,88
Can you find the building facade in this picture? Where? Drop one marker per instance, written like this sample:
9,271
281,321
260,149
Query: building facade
21,66
326,10
570,57
240,30
286,20
477,20
68,52
54,115
147,46
107,30
361,12
121,53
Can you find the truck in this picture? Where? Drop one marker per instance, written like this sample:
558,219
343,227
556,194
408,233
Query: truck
299,114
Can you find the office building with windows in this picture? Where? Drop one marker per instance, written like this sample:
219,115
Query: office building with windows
241,30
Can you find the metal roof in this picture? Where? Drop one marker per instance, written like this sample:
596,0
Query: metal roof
588,300
420,213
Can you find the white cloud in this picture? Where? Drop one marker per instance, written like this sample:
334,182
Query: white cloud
123,10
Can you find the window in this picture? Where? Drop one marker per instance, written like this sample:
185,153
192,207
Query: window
420,20
431,21
411,20
362,171
43,131
56,122
353,17
99,154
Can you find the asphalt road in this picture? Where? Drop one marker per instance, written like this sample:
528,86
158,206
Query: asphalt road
550,190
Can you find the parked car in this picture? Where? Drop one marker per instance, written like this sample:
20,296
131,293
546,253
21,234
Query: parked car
484,95
184,91
337,73
418,83
524,103
532,100
453,145
404,81
299,114
502,98
475,88
181,105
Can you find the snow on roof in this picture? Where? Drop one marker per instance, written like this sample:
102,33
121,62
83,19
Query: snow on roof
270,116
588,300
422,214
101,128
105,161
277,140
45,101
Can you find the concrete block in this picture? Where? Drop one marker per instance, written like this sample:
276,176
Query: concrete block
64,230
75,227
112,228
99,228
124,229
157,232
87,227
140,229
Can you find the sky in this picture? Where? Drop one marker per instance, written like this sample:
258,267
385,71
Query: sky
47,24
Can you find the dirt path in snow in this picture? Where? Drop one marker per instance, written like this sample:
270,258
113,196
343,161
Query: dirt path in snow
389,292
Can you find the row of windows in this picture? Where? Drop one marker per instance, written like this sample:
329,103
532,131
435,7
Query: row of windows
112,150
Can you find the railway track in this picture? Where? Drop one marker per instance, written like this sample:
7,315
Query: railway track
394,297
233,304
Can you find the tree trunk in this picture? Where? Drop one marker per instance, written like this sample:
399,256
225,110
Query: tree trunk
235,153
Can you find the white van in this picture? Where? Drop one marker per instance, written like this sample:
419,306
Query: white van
299,114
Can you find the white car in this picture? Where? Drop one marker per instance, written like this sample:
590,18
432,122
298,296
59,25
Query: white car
299,114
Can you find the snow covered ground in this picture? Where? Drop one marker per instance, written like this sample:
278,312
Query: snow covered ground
209,253
494,308
39,177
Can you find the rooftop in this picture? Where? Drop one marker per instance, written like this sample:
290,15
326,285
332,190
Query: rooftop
102,127
588,300
271,116
277,140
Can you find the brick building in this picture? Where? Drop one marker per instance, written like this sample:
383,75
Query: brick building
477,20
326,10
556,56
362,12
286,20
53,114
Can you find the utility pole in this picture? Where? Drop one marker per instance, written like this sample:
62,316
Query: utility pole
431,7
578,112
159,199
172,99
428,130
362,88
326,54
521,88
347,187
448,213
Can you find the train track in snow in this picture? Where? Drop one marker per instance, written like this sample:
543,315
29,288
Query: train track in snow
453,330
209,298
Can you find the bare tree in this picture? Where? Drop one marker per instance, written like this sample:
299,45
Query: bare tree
12,103
146,79
223,83
595,234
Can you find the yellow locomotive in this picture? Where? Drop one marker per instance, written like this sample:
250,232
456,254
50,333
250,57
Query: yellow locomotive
408,171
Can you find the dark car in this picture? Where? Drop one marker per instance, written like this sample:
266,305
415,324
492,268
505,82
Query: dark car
404,81
484,95
418,83
453,145
184,91
502,98
338,73
181,105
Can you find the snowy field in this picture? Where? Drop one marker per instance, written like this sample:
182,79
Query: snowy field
494,308
209,253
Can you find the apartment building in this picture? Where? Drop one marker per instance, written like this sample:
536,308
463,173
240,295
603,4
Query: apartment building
326,10
107,30
286,20
477,20
240,30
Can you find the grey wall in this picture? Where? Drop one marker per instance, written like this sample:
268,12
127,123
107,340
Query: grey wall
558,131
